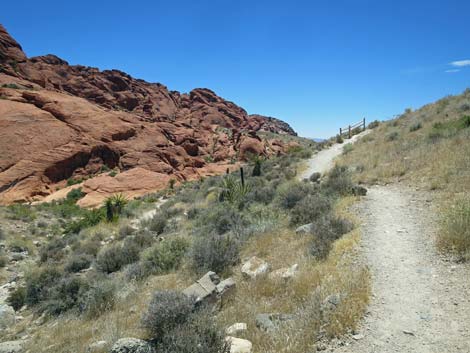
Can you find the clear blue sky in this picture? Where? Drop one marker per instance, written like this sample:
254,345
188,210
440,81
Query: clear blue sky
316,64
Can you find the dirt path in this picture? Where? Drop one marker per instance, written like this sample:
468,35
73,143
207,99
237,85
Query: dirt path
324,160
420,302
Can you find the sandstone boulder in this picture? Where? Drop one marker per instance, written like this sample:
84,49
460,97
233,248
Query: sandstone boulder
255,267
132,345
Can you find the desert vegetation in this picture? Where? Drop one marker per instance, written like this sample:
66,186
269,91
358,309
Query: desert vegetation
113,272
427,148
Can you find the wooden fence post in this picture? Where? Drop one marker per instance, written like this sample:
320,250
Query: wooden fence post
349,133
242,176
340,131
364,124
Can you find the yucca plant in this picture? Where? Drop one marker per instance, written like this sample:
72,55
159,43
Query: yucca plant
233,191
114,206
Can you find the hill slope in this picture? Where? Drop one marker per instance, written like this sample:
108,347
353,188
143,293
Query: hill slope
62,122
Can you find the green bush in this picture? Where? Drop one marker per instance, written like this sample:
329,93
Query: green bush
17,298
347,148
315,177
78,262
114,206
125,230
454,230
158,223
166,311
39,283
415,127
373,124
64,295
339,181
339,139
325,231
90,218
199,334
221,218
165,256
215,253
291,193
310,209
3,259
99,298
113,257
21,212
393,136
53,250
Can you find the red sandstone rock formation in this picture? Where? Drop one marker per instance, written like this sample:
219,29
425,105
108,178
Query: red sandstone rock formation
59,122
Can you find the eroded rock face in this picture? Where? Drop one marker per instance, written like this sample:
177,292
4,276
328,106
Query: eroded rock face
61,121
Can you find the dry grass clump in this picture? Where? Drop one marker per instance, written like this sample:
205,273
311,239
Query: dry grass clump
454,232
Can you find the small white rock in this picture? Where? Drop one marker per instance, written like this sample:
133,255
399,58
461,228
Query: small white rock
236,328
239,345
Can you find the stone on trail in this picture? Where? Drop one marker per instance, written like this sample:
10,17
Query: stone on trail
209,288
132,345
271,322
239,345
255,267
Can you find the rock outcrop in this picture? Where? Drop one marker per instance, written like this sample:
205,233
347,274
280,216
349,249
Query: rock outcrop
61,122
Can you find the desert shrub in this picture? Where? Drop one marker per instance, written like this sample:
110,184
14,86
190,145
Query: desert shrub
339,139
347,148
125,230
263,194
221,218
89,247
193,212
78,262
39,282
99,298
256,168
233,191
415,127
16,299
165,256
289,194
315,177
454,230
74,195
113,257
2,233
53,250
166,311
89,218
18,245
3,259
158,223
339,181
64,295
325,231
215,253
373,124
199,334
143,239
310,208
21,212
114,206
393,136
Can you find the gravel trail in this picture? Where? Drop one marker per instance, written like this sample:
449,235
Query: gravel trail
420,301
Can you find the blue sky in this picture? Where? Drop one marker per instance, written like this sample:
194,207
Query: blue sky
315,64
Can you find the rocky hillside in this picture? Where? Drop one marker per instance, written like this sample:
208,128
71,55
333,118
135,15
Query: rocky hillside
62,125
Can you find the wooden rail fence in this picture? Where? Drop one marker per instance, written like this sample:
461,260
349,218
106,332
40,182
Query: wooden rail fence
349,130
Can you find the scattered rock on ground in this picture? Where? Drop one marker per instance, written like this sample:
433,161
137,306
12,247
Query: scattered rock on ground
285,273
304,229
132,345
7,316
209,288
236,328
239,345
11,347
271,322
97,346
359,190
255,267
